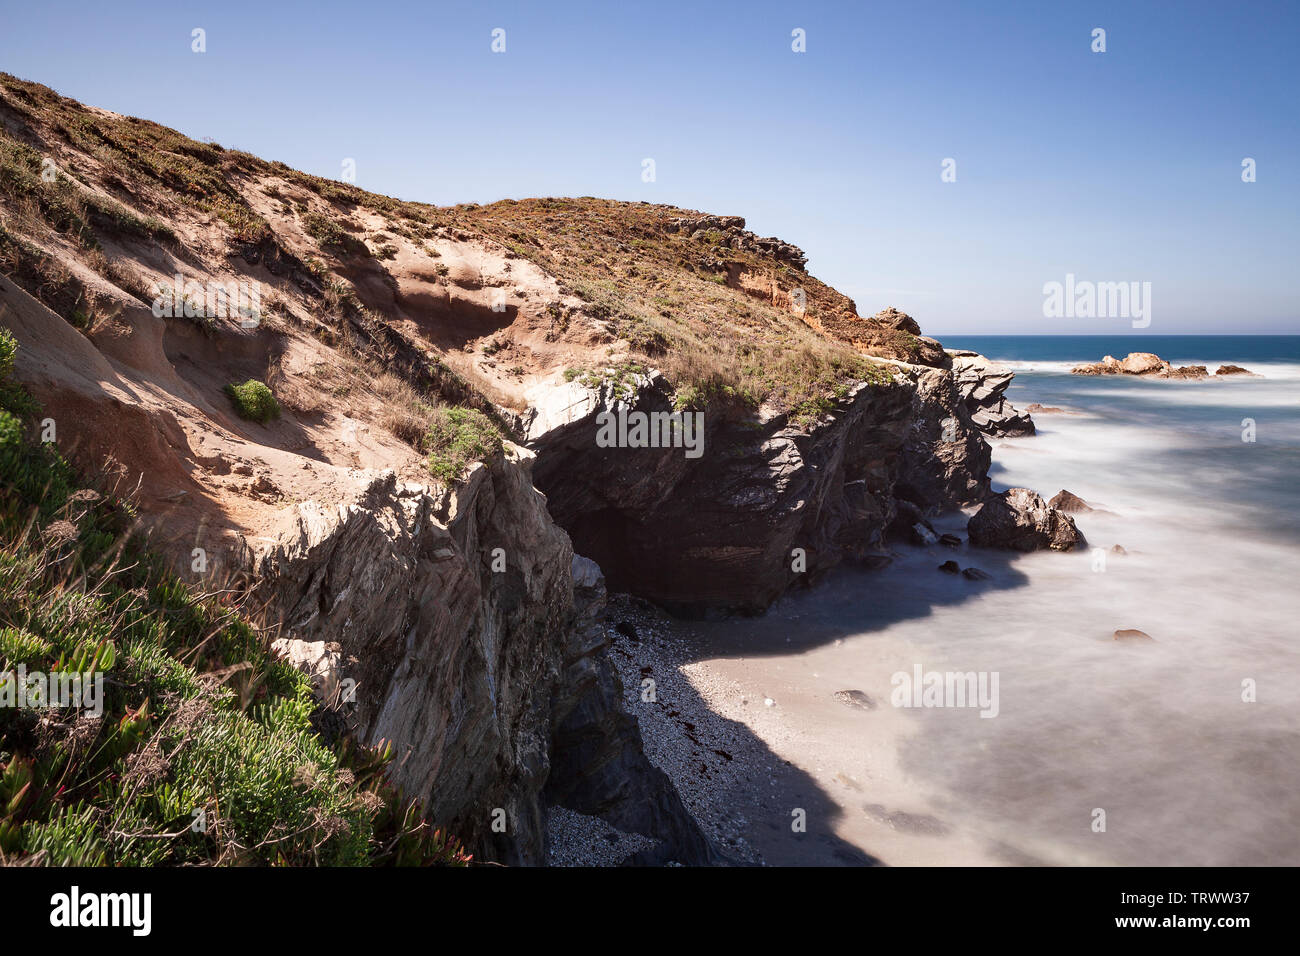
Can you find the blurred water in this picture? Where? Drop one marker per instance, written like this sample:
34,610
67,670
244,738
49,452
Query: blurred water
1156,734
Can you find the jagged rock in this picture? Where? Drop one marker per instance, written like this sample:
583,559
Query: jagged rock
892,318
1020,520
471,673
717,533
950,567
975,574
735,236
983,385
1234,370
1035,409
1067,501
1132,634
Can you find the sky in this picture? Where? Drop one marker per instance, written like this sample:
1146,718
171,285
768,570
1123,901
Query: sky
1115,166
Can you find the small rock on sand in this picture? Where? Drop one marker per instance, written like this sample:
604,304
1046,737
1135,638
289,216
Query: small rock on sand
856,699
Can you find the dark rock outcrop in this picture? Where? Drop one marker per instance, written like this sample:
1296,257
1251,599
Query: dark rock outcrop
983,386
1020,520
772,503
1235,370
598,766
485,676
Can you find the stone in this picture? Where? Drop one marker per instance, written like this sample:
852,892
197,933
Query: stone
1020,520
856,699
982,385
1132,634
950,567
1067,501
976,574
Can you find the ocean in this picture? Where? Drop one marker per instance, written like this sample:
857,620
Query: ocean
1182,750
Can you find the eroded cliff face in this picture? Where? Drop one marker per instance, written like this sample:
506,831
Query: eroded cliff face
770,503
455,615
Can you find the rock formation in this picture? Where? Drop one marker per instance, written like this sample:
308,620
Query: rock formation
1068,501
1020,520
1145,364
983,386
772,504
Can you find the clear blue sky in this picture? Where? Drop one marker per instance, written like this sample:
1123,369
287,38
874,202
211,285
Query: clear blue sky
1115,166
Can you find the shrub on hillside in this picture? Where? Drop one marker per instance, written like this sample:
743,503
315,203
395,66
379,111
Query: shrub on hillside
456,438
254,401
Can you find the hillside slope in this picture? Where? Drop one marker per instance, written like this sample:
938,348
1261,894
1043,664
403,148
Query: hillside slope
323,396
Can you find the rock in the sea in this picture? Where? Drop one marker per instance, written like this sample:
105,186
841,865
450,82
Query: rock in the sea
1035,409
856,699
923,534
975,574
1020,520
1234,370
1118,549
1188,371
1068,501
950,540
950,567
1132,634
1140,363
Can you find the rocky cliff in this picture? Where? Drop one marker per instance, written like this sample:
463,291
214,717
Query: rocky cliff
382,512
772,503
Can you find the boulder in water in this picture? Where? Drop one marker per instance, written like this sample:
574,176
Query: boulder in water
1132,634
1068,501
1020,520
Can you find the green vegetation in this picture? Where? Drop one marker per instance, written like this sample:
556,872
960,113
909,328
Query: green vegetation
197,720
254,401
456,438
332,236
